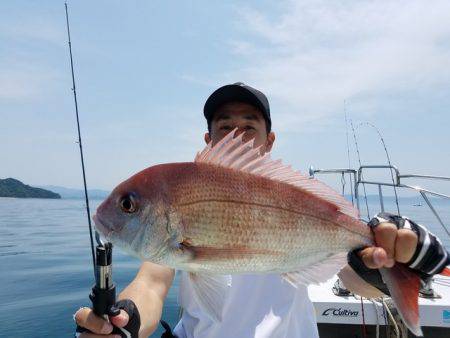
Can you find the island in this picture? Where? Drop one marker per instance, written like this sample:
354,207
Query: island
10,187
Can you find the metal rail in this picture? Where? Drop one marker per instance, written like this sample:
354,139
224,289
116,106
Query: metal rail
357,177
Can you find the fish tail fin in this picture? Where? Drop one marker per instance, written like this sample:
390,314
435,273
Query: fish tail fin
445,272
403,284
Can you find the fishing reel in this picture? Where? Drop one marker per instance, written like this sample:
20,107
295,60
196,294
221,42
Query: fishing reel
103,293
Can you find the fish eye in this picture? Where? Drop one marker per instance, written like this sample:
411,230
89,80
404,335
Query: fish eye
128,204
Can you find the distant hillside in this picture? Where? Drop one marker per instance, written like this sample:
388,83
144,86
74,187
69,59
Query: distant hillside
10,187
68,193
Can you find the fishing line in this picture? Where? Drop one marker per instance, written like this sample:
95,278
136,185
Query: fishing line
385,316
363,326
359,161
391,317
375,306
388,160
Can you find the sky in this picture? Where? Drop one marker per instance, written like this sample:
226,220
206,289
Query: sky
145,68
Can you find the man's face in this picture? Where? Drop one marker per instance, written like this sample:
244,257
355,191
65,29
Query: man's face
248,119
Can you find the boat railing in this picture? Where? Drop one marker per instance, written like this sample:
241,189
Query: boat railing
397,181
357,181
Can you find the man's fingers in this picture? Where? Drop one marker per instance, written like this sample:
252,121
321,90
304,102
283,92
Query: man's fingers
120,320
385,237
86,318
405,246
373,257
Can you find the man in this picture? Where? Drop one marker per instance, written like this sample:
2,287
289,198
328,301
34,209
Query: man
262,305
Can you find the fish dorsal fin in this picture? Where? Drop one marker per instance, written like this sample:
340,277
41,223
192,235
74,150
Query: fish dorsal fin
231,152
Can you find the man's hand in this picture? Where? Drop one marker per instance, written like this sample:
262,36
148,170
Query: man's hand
99,327
401,240
393,245
140,302
398,239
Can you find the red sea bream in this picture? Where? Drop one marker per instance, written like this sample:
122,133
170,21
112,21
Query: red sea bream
233,211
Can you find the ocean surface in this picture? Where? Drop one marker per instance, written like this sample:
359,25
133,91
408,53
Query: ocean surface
45,263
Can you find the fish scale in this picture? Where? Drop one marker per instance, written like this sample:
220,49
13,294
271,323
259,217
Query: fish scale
274,221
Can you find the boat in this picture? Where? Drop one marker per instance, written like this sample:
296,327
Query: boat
340,313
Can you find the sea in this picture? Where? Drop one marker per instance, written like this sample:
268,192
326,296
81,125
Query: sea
46,267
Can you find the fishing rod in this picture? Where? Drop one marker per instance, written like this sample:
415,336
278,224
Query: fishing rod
359,159
348,152
388,161
360,164
103,293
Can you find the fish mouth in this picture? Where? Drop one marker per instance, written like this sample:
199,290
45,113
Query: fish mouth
101,226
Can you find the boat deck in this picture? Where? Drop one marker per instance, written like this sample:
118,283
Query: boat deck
347,311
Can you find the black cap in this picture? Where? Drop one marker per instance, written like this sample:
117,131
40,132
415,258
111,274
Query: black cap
237,92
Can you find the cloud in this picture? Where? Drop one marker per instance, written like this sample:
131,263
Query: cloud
316,54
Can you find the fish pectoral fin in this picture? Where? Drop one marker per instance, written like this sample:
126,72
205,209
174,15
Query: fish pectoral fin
210,292
317,272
